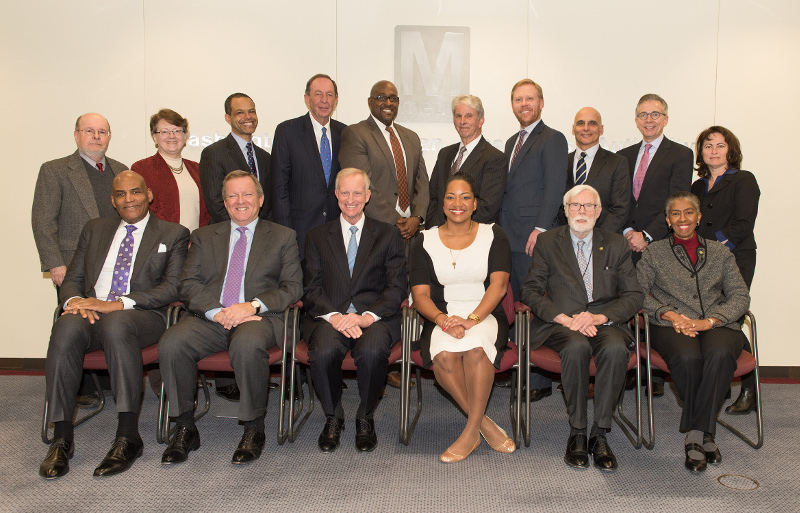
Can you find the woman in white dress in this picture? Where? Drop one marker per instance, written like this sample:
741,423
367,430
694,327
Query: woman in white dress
459,275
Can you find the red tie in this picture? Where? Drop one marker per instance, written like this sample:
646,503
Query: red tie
100,166
400,166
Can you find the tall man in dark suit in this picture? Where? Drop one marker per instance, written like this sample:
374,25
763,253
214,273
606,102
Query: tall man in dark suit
473,156
583,289
658,167
239,277
355,282
112,306
391,155
70,191
606,172
537,172
305,160
236,151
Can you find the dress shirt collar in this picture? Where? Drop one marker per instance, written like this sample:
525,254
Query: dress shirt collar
251,227
470,146
655,143
382,126
587,240
528,129
91,161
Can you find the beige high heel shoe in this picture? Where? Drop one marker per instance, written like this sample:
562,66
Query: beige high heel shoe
451,457
508,446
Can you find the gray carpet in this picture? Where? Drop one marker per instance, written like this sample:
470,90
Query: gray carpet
297,477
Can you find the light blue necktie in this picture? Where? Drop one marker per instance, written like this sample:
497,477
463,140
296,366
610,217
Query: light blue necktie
584,266
352,250
325,154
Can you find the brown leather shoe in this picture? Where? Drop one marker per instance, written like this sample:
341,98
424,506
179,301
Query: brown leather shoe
394,380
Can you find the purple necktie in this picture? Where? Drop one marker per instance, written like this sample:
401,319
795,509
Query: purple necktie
250,161
641,170
233,280
122,267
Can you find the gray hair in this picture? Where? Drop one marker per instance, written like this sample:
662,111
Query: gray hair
652,97
577,190
350,171
473,102
675,196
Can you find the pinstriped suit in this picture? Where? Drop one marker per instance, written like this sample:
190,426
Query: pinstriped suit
609,176
379,285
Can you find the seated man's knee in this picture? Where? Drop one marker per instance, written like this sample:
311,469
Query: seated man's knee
576,347
116,325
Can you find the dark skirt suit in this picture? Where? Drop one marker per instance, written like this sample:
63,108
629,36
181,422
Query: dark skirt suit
729,214
422,272
166,198
702,367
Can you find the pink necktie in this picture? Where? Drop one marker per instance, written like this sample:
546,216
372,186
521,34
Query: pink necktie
640,171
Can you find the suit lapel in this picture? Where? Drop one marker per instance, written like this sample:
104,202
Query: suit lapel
149,239
655,162
257,247
380,141
364,248
83,187
570,167
599,258
597,164
472,158
565,245
309,141
221,241
235,153
101,251
526,145
448,156
336,244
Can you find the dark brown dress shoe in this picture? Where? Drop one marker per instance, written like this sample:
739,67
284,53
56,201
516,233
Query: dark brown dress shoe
394,380
228,392
537,394
88,402
183,442
56,463
366,438
712,457
250,447
123,453
658,389
693,465
744,404
577,454
331,434
601,453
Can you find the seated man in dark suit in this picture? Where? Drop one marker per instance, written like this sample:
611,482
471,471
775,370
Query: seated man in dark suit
238,279
582,288
122,278
355,283
473,156
606,172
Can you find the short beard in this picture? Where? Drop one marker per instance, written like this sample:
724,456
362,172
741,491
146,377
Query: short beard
575,229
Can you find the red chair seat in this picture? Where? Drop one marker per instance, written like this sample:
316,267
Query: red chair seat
549,360
301,355
96,360
221,362
744,364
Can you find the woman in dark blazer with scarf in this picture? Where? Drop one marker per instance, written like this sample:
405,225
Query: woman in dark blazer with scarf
695,296
175,181
729,204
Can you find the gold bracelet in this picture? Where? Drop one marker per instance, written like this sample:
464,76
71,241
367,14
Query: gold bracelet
474,317
437,316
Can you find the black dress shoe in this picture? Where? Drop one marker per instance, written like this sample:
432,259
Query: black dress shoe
228,392
272,385
183,442
537,394
712,457
744,404
658,389
56,463
601,453
366,438
250,447
695,466
331,433
123,453
577,455
630,381
500,382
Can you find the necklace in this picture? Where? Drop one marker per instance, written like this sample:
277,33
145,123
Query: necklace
176,170
454,258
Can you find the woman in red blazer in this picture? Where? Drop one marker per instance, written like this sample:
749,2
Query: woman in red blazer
175,181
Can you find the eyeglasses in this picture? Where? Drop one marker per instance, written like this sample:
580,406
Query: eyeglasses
653,115
383,98
91,132
176,131
575,207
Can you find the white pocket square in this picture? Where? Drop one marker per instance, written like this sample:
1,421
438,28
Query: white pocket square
162,248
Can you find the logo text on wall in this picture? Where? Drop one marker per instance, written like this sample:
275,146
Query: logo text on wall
431,67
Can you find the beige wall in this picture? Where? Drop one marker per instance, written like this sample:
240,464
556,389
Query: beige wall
729,62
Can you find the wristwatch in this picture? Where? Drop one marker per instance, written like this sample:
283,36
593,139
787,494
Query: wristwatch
257,305
474,317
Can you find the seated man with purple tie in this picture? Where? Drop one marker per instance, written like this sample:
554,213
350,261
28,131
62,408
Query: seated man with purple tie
115,294
239,277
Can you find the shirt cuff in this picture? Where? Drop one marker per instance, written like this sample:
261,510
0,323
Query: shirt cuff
263,306
327,317
127,303
626,230
373,316
647,236
540,229
211,313
64,306
723,239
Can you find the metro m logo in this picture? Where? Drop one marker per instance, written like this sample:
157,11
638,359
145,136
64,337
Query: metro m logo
441,57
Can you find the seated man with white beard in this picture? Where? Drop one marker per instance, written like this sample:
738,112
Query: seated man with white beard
582,288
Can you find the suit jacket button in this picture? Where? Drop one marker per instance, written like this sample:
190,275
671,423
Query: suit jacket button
710,205
708,223
324,213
